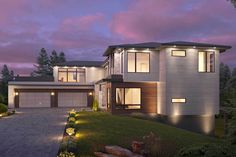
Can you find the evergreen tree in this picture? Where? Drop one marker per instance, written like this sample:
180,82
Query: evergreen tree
234,72
6,76
62,57
225,75
43,64
54,58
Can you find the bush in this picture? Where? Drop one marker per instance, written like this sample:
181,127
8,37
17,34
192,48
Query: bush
2,100
3,108
66,154
209,150
155,146
95,105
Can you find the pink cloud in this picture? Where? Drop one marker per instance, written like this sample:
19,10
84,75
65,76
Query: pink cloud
164,20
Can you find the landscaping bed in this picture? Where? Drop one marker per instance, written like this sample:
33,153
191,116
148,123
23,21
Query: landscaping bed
94,130
4,111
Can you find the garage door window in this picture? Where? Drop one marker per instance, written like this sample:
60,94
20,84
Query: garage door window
71,75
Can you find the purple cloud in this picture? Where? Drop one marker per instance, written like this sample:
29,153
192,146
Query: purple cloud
85,28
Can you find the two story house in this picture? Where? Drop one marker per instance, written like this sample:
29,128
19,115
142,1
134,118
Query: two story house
176,80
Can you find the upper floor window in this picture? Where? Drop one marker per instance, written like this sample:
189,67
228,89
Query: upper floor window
206,61
138,62
178,53
71,75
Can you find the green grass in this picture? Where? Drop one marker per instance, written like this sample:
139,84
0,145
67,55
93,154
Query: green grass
219,127
97,129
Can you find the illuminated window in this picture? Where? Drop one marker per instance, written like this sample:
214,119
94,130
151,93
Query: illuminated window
128,98
71,75
206,61
142,62
138,62
179,100
120,96
178,53
131,62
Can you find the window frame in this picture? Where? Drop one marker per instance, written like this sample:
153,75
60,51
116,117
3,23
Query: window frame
124,104
135,61
67,71
178,56
214,64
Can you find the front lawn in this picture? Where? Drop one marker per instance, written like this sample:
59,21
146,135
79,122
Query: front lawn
97,129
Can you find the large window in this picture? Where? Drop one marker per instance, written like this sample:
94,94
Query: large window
206,61
138,62
71,75
128,98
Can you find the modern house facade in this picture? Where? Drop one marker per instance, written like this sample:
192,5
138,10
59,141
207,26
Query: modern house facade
177,80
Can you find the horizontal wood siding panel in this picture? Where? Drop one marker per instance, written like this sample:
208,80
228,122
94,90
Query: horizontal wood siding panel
148,97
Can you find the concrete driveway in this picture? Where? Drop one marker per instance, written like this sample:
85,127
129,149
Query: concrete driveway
32,132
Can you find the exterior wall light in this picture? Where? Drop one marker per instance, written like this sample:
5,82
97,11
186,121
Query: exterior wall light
174,46
90,93
16,93
214,47
194,47
52,93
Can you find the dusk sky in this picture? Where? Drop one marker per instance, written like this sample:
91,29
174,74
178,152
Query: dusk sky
84,28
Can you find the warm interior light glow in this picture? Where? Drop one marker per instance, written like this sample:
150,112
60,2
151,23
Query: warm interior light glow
90,93
178,53
16,93
181,100
201,62
0,115
52,93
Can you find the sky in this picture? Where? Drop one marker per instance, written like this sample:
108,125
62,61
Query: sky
83,29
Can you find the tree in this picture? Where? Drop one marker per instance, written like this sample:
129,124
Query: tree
234,72
62,57
54,58
225,75
7,75
233,2
43,64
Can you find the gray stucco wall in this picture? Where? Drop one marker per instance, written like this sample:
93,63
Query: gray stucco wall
182,80
152,76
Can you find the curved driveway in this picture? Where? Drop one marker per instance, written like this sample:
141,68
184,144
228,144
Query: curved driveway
32,132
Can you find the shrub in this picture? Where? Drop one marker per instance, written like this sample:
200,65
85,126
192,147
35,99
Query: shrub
209,150
95,105
71,119
66,154
3,108
2,98
155,146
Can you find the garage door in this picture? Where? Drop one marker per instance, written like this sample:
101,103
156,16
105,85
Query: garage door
72,99
36,99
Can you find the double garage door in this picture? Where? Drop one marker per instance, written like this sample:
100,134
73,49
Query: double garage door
43,99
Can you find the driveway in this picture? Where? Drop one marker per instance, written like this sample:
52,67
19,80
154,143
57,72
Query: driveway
32,132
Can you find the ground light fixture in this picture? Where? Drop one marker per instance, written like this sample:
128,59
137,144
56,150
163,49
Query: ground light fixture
73,111
70,131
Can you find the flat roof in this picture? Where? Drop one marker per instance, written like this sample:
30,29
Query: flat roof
156,45
82,63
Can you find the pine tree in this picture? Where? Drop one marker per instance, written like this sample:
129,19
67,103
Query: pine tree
43,64
6,76
234,73
225,75
62,57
